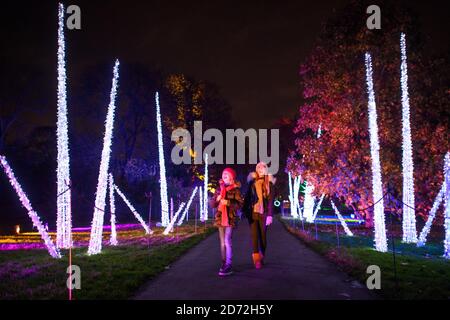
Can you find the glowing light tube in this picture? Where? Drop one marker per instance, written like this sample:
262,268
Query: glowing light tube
133,210
377,186
291,195
409,214
431,216
200,196
298,212
172,222
341,219
308,205
447,206
319,204
63,199
186,210
162,167
52,249
95,241
112,207
205,190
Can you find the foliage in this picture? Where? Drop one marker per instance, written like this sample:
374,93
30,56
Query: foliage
334,96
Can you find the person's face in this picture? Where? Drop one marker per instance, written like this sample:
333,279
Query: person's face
261,170
227,178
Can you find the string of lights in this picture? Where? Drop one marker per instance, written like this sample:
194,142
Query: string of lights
172,222
112,208
291,195
200,196
63,200
52,249
205,190
295,205
318,206
426,229
95,242
162,167
447,206
133,210
341,219
308,204
409,214
377,186
186,210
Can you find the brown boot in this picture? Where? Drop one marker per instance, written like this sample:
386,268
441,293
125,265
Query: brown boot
257,260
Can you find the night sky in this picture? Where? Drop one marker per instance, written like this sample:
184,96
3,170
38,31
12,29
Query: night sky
251,49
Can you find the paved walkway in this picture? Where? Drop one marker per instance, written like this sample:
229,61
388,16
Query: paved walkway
291,271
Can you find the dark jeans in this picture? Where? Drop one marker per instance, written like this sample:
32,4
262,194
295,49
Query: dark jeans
258,230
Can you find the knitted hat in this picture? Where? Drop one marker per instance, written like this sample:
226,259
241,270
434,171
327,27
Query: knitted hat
230,172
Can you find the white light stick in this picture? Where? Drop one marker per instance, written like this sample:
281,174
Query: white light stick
200,196
205,190
318,206
298,210
185,212
426,228
171,209
377,186
294,207
409,214
162,167
112,206
172,222
291,195
95,242
63,200
447,206
308,205
341,219
133,210
52,249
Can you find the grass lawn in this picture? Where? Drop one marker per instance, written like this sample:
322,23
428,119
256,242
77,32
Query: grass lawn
422,273
116,273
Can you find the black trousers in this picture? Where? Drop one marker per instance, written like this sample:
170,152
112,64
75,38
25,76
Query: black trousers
258,230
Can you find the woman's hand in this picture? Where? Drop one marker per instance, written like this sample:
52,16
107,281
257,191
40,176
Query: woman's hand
224,202
268,220
219,197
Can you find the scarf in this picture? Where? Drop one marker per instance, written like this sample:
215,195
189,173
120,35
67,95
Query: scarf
262,191
223,208
265,185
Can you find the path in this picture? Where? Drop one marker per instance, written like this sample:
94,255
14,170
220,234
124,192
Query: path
292,271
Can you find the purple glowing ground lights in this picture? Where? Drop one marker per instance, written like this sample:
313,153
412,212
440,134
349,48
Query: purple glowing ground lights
29,240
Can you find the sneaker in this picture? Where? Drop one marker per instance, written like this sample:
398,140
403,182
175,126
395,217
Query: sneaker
226,271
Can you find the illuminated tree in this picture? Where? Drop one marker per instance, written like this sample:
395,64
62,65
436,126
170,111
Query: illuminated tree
334,99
